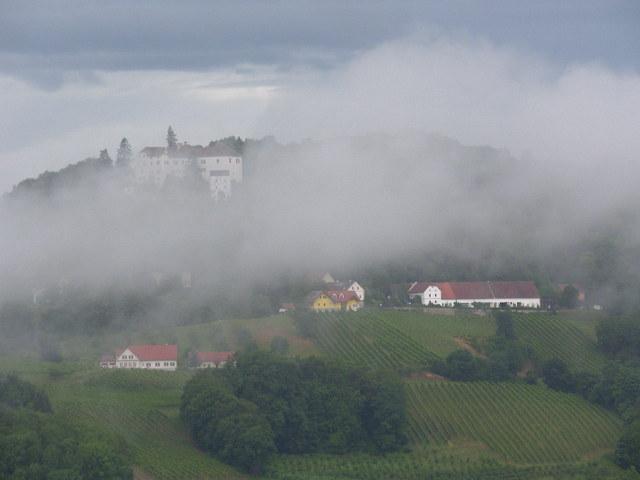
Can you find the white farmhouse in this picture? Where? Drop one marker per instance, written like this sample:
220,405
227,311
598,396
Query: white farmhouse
151,357
491,294
356,288
219,165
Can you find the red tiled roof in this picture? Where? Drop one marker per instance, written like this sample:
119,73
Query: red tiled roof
341,296
471,290
515,290
147,353
213,357
479,290
446,291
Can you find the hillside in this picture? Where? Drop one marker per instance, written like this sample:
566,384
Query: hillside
456,430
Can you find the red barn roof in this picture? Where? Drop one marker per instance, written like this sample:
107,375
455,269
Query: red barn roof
213,357
479,290
514,290
147,353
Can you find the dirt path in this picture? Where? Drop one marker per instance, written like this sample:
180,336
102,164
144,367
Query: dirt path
464,344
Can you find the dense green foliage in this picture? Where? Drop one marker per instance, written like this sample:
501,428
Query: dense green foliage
17,393
43,446
619,337
294,406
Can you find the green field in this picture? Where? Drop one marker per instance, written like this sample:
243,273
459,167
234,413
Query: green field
444,463
396,339
570,337
139,407
524,424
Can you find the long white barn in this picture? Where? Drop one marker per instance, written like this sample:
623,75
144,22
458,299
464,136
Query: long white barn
492,294
219,165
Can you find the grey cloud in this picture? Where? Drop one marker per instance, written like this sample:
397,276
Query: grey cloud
40,39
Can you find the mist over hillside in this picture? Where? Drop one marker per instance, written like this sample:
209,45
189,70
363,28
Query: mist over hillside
417,205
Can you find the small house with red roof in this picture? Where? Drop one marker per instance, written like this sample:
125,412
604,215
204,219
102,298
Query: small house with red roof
492,294
151,357
213,359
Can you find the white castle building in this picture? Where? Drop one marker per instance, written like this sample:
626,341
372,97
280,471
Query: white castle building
219,165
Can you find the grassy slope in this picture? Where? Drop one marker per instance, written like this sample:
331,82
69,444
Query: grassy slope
457,430
525,424
140,407
396,339
569,336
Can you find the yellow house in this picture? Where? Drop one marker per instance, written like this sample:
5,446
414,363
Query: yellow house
334,300
321,302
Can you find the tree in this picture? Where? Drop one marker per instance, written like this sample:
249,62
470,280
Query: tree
556,375
247,441
462,365
569,297
124,153
172,140
628,447
504,325
104,158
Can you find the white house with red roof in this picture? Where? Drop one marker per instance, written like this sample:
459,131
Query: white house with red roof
492,294
151,357
213,359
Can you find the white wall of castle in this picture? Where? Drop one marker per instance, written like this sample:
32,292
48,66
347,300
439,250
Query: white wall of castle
219,172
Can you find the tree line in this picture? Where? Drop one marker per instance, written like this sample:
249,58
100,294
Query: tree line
269,404
36,444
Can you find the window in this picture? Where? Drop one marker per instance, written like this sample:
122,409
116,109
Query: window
157,364
173,364
237,160
203,161
148,364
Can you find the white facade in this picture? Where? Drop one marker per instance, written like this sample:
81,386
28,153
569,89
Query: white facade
432,295
128,359
220,364
356,288
154,165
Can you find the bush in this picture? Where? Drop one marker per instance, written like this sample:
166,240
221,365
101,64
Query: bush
556,375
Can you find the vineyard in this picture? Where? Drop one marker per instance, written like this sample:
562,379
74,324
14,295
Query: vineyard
524,424
373,339
556,336
147,420
442,463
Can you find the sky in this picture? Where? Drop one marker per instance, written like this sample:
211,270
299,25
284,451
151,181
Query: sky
77,76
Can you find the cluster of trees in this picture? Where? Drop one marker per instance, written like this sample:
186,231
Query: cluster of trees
504,356
268,404
619,337
36,444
